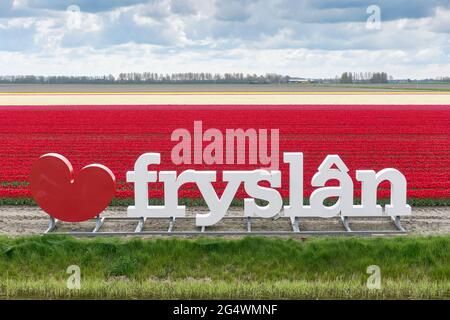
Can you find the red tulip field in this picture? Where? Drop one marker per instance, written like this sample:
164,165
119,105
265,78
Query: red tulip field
412,139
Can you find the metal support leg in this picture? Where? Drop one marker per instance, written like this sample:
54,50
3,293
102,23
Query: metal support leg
397,223
346,224
140,225
295,224
276,217
51,224
203,229
98,223
171,224
248,221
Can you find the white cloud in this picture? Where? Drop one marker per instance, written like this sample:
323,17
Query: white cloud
304,38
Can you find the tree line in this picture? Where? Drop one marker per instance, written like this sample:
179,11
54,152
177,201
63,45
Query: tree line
365,77
150,77
204,77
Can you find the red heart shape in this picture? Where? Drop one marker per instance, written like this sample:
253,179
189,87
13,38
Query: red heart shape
70,199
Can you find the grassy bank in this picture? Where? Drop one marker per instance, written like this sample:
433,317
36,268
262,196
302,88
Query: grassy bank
411,267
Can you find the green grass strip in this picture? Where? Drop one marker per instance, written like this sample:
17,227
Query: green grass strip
252,267
192,289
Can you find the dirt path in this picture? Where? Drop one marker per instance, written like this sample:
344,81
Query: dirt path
21,220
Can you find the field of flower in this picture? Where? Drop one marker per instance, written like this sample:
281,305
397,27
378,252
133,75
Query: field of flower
413,139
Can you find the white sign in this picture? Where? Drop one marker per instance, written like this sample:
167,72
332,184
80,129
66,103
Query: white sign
332,168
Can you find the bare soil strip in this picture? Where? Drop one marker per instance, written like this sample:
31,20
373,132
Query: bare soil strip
24,220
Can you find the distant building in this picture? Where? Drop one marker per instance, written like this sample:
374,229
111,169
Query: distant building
300,80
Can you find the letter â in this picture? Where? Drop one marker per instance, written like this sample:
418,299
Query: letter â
344,191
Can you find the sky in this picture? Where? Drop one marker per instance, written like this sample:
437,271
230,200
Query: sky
304,38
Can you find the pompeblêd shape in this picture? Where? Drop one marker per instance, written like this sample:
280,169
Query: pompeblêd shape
69,197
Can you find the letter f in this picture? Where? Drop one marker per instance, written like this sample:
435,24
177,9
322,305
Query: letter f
141,177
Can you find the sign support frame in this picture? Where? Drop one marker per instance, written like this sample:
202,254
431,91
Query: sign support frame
294,222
